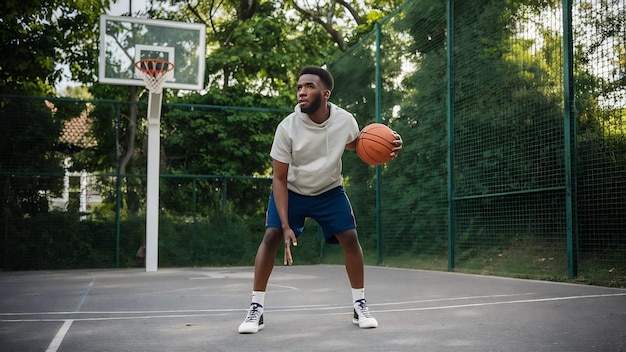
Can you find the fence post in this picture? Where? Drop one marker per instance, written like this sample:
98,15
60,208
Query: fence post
450,123
118,186
569,127
224,193
195,218
379,183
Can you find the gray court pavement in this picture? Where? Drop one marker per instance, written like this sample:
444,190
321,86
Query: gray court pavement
308,308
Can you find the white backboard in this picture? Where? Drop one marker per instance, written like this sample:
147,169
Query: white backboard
125,40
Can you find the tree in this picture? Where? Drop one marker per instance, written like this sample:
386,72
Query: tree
344,21
252,67
600,71
500,87
37,37
256,49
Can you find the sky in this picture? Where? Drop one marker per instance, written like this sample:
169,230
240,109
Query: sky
122,6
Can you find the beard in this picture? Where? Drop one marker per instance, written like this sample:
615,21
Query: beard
313,106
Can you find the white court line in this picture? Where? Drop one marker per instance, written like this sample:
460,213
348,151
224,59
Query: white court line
449,299
60,336
228,310
224,310
58,339
85,294
171,316
282,288
209,312
471,305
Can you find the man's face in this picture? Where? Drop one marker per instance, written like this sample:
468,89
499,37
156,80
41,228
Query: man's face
313,105
310,93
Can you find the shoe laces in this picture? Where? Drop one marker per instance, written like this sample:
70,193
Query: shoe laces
361,306
254,312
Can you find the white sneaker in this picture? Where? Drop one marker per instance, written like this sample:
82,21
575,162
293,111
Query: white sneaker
254,320
362,316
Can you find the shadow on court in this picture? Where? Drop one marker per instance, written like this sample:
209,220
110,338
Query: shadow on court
308,308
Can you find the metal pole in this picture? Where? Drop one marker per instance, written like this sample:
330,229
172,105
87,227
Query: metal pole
379,182
195,218
118,187
152,197
569,124
450,113
224,194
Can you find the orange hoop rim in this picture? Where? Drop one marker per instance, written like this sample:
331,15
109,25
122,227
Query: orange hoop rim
152,68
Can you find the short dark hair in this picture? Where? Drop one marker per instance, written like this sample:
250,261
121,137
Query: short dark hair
323,74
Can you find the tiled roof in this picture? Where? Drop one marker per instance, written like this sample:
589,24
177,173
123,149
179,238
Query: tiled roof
76,131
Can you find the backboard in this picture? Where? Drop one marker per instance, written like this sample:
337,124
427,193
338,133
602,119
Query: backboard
126,40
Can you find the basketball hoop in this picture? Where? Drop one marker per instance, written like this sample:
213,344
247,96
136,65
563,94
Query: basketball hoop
154,72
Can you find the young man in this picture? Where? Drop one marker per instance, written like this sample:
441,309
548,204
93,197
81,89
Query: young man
306,156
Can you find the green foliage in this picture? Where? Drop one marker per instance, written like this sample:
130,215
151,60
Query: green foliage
414,185
38,35
508,156
61,240
28,143
217,141
501,93
53,241
601,142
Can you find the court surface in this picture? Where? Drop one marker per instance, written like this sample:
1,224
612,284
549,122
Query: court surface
308,308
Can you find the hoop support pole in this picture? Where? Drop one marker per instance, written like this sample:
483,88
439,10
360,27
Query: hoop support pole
152,198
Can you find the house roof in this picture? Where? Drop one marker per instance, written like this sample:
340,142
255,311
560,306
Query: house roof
77,131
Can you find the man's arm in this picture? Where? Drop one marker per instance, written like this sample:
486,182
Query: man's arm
351,145
279,187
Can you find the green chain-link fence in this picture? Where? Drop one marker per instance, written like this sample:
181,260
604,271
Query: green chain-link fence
514,157
515,137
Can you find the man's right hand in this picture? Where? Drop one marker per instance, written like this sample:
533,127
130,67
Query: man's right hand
290,237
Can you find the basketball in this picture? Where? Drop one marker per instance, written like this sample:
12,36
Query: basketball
374,144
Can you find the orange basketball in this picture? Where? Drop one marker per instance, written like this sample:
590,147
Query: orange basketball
374,144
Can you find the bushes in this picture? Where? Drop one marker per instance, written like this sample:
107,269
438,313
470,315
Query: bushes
220,240
52,241
61,240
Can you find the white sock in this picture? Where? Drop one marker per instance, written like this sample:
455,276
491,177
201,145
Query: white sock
357,294
258,297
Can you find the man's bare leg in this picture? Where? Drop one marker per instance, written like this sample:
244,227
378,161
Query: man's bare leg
353,259
263,266
265,257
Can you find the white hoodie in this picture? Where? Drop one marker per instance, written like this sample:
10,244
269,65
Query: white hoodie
313,151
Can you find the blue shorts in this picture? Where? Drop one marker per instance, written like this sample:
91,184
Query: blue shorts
331,210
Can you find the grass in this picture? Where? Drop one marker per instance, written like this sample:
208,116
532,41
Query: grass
529,260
